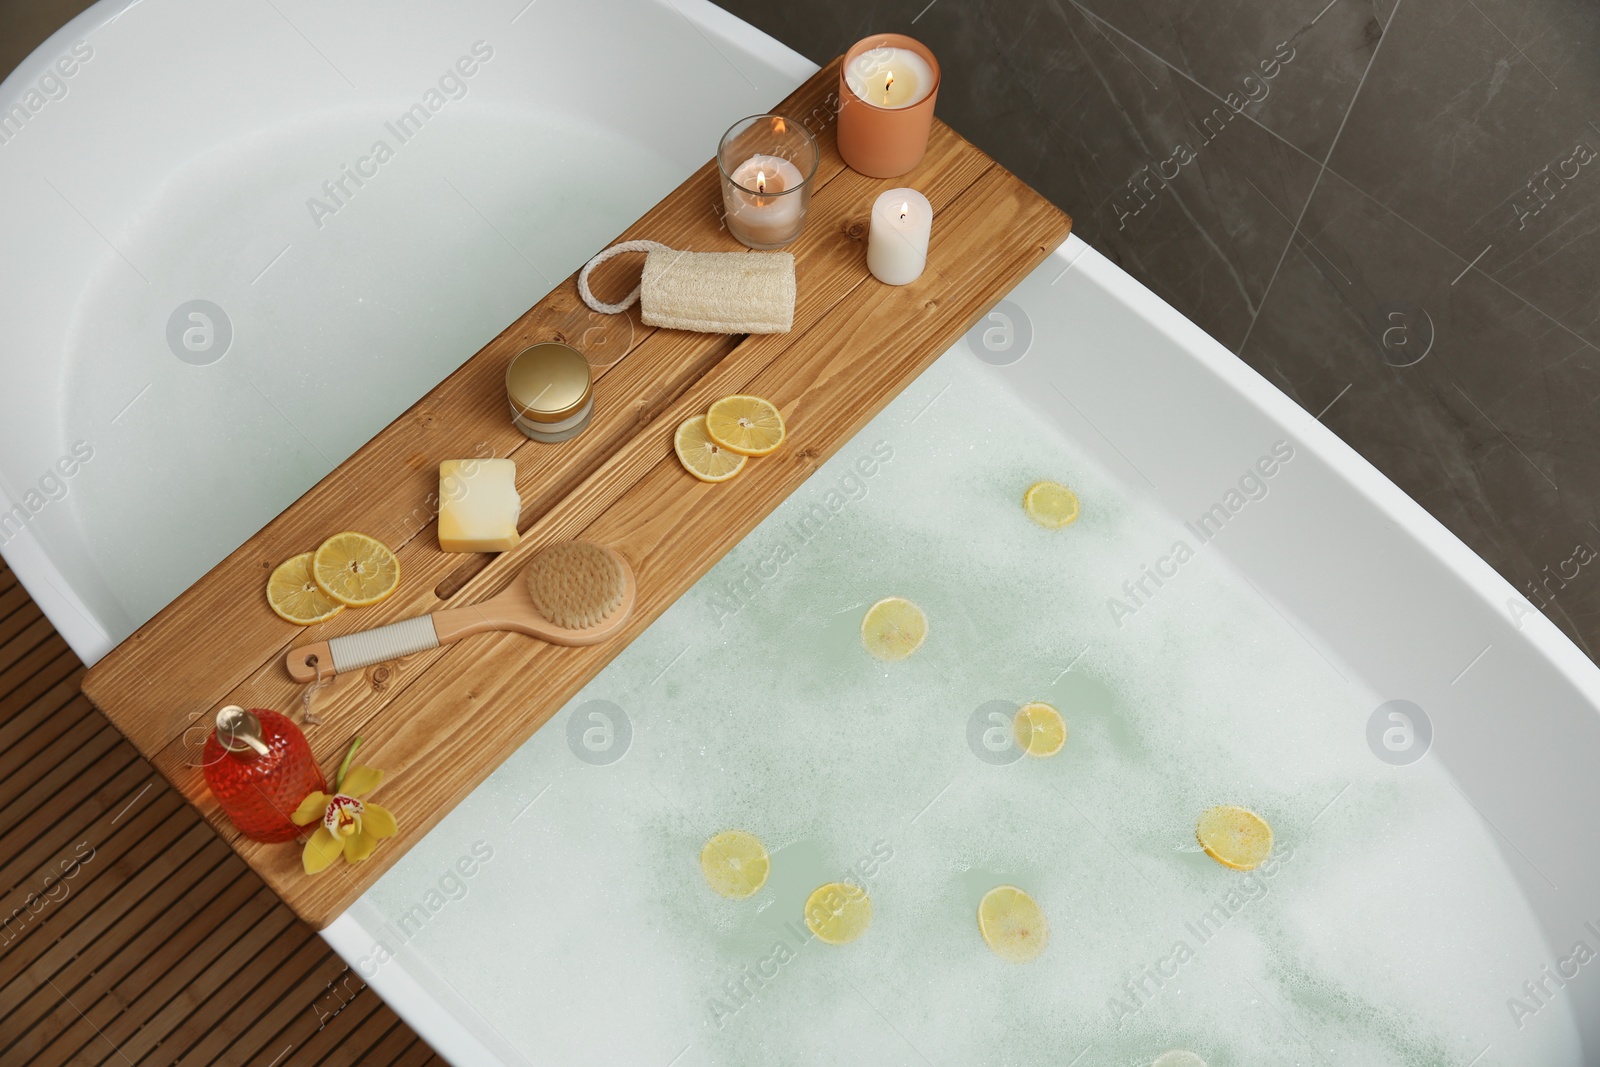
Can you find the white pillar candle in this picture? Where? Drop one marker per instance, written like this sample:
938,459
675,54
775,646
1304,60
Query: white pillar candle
889,77
897,240
771,218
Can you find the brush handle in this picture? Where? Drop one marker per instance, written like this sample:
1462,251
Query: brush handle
510,610
362,649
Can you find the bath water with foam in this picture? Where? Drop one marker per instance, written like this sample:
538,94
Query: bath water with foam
1386,928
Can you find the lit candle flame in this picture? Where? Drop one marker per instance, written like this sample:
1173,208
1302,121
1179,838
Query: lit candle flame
888,80
761,181
905,209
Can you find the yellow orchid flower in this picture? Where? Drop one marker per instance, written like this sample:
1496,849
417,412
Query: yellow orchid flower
350,827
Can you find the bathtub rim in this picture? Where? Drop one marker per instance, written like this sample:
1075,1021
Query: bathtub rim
1411,518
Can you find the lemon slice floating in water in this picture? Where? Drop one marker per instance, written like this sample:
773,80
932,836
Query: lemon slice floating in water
838,912
703,457
355,569
735,864
1012,924
1234,837
747,425
1050,504
294,596
893,628
1040,729
1178,1057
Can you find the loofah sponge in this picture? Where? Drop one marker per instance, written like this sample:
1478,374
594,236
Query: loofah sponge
576,584
708,292
719,292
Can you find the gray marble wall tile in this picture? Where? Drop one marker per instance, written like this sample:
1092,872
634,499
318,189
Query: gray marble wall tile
1299,64
1478,125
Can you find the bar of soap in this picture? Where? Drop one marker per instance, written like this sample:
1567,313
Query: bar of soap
478,505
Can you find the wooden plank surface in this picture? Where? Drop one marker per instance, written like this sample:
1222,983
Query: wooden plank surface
133,959
855,345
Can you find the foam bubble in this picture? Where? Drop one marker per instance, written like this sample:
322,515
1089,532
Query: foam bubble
592,936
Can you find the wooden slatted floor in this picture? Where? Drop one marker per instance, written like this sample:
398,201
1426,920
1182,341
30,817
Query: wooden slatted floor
129,932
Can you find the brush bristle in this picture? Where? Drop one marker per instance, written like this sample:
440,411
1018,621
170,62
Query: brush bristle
576,584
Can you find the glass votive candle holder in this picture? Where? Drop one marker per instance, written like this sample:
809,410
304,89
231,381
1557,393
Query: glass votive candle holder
767,162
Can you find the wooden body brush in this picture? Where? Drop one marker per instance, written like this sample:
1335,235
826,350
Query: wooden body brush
573,593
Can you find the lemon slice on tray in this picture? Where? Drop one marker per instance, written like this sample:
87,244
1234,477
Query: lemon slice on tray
1039,728
294,596
1012,924
735,864
1050,504
893,628
1234,837
838,912
703,457
354,569
747,425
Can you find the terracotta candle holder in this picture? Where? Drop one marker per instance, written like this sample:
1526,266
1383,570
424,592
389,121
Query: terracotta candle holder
884,134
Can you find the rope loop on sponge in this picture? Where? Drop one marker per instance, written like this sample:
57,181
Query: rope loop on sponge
615,250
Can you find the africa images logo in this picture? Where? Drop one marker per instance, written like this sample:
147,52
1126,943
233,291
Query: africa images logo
339,190
49,87
1253,486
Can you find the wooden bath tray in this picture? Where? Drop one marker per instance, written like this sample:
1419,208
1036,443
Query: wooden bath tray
439,722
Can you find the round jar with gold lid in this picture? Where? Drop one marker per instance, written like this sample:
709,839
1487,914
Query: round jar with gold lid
551,391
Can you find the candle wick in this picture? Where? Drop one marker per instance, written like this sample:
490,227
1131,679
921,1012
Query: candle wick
888,80
761,181
905,209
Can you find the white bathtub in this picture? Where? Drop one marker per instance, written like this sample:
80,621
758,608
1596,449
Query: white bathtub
1383,603
1382,600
